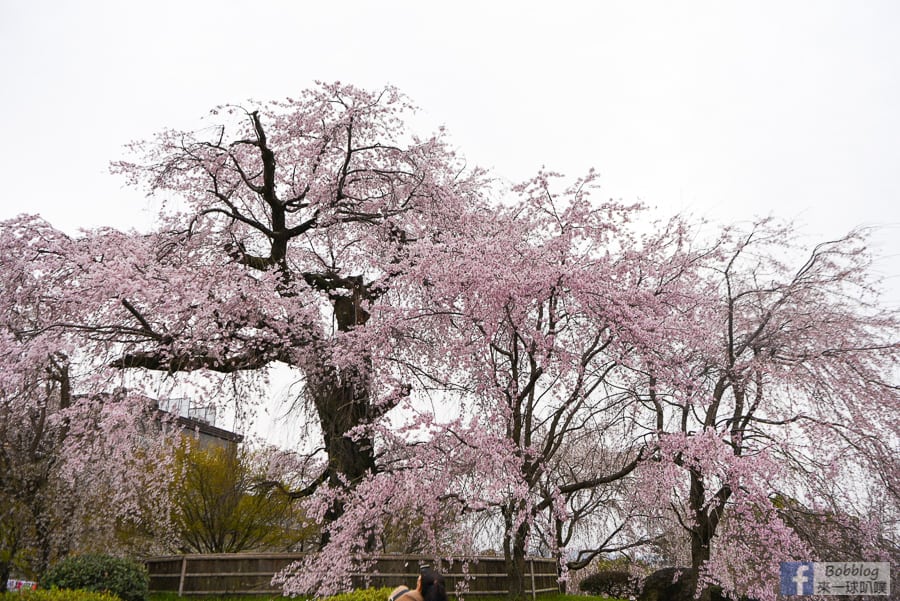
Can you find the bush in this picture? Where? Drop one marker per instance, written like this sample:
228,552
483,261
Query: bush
368,594
124,578
671,584
611,583
57,595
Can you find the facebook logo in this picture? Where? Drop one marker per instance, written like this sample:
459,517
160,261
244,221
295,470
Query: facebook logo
797,578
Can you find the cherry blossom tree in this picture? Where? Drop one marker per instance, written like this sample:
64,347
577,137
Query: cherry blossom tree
32,496
524,323
550,353
292,221
541,353
65,448
779,381
281,230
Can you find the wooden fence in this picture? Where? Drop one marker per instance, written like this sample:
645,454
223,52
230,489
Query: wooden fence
251,574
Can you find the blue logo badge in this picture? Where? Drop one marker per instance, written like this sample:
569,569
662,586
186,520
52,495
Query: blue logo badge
796,578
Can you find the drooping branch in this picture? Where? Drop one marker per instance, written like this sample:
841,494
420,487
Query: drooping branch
598,481
143,321
162,360
586,556
306,491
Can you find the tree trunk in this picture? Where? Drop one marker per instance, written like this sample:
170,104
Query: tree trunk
560,560
4,575
701,535
699,556
343,403
514,548
43,532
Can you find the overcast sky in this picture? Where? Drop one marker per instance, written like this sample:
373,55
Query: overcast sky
725,109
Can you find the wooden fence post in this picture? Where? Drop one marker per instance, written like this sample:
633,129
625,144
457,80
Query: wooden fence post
183,571
533,587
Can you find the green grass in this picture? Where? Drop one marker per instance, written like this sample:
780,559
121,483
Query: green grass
552,597
175,597
55,594
544,597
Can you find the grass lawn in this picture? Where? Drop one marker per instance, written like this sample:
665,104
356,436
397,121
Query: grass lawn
544,597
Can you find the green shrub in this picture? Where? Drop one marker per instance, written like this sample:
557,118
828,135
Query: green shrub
671,584
173,596
613,583
381,594
367,594
124,578
57,595
561,597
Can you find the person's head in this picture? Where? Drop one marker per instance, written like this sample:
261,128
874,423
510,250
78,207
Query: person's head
432,585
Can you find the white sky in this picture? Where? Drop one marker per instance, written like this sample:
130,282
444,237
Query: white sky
724,109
